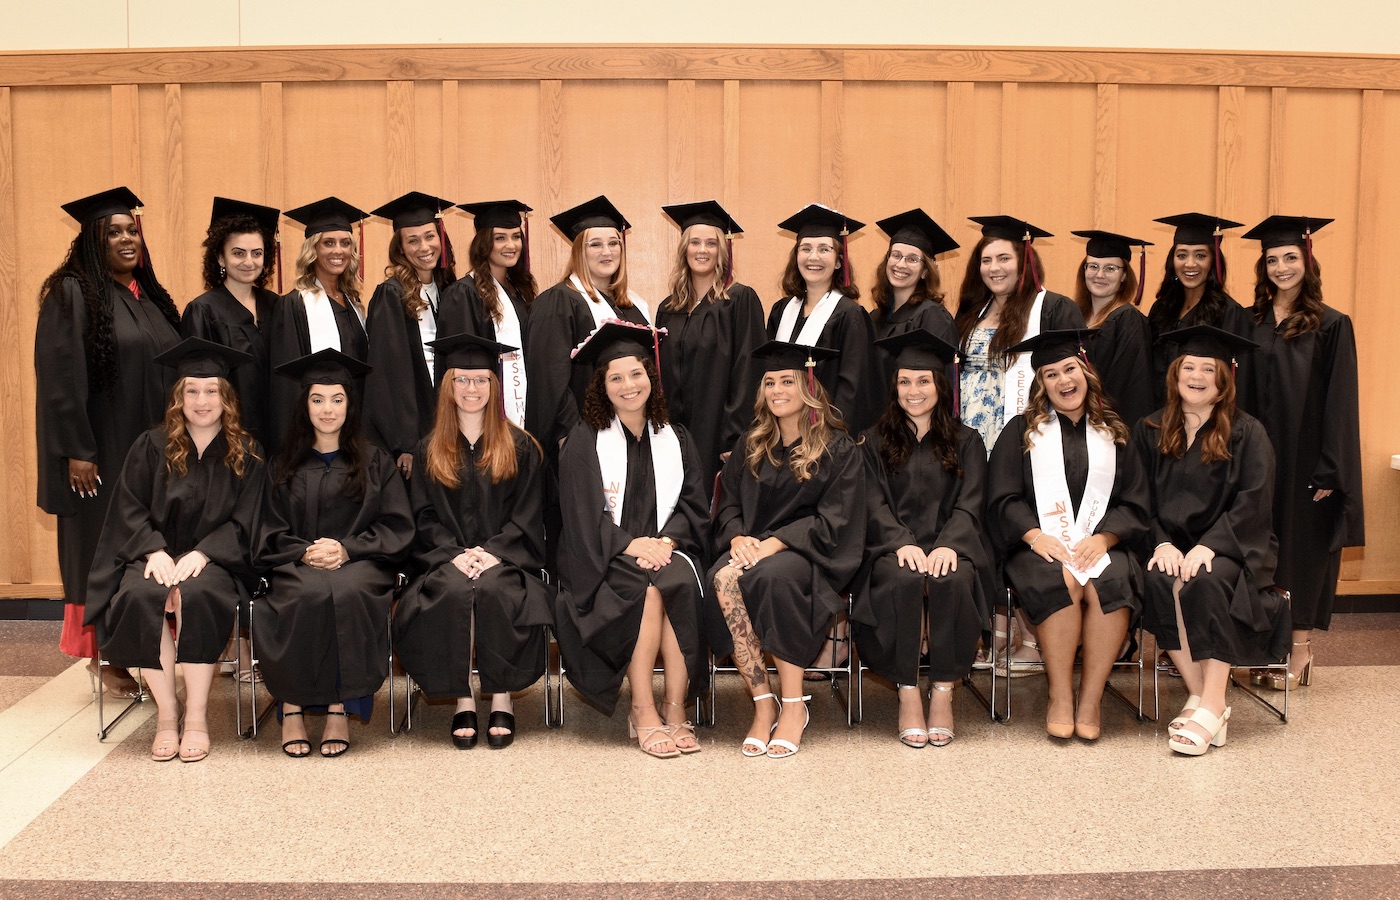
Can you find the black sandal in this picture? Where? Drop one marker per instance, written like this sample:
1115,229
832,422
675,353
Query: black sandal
338,746
500,720
288,745
462,720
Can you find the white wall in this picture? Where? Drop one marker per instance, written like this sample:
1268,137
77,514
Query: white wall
1341,26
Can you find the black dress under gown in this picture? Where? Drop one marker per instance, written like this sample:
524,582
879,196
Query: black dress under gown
793,595
1121,353
511,605
923,504
1227,506
1011,512
400,398
1304,393
289,338
209,509
853,380
321,633
602,591
710,382
218,316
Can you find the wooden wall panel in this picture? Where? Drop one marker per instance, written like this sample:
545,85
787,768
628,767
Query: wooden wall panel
499,157
974,142
15,339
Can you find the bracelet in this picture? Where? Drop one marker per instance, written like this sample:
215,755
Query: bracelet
667,541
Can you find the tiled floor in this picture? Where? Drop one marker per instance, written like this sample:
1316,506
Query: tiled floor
1311,808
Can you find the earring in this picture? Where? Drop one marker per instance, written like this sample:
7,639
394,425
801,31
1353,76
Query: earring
222,272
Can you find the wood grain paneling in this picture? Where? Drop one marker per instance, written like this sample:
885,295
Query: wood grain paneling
1106,157
680,141
402,161
15,382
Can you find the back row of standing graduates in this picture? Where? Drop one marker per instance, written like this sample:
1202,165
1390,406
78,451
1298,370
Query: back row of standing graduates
105,318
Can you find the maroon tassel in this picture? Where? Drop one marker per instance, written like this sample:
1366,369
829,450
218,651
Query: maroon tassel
501,389
845,259
525,221
363,269
1142,274
729,270
1219,275
812,384
1307,248
957,387
445,260
144,259
656,358
278,242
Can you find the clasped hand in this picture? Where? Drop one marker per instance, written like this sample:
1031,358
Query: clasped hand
473,561
650,553
745,550
325,553
168,572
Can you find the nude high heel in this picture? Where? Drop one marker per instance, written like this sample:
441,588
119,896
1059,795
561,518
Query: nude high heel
1275,680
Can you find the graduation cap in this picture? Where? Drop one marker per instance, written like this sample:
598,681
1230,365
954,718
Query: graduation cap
1108,245
328,366
266,217
708,212
1010,228
1050,347
918,348
615,339
117,201
414,209
1287,231
917,229
501,214
596,213
197,358
1197,228
816,220
1208,341
778,356
467,351
329,214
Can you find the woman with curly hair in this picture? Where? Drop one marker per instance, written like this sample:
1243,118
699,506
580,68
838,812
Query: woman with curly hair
1108,293
789,532
633,543
1065,502
103,319
908,293
405,316
174,559
323,309
236,307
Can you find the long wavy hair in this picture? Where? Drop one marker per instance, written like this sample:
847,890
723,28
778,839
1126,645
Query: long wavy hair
795,286
296,448
598,410
86,263
518,277
1102,416
178,445
682,297
897,434
929,287
443,447
219,233
1215,444
973,295
347,282
402,271
616,288
1171,296
1307,315
1127,293
816,432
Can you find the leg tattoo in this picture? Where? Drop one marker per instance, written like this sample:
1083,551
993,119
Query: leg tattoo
748,651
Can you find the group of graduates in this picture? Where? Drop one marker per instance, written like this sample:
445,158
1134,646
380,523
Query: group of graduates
1010,485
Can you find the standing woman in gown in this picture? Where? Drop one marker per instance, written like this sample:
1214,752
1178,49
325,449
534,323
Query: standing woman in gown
925,480
1192,291
404,316
323,309
713,324
1303,390
322,640
476,500
175,556
908,293
1108,293
822,309
493,302
1211,474
1067,501
236,306
633,544
789,535
103,319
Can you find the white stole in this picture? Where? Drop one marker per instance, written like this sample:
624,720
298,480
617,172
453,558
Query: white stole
1052,498
508,332
601,310
666,468
427,326
812,328
320,319
1020,375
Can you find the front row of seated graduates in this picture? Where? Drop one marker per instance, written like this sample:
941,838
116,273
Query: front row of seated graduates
553,460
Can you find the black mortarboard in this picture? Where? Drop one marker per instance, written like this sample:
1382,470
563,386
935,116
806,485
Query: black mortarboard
596,213
615,339
918,348
1285,231
1049,347
918,229
1009,228
413,209
266,217
1196,228
776,356
330,214
816,220
1207,340
197,358
117,201
328,366
706,212
496,213
467,351
1107,245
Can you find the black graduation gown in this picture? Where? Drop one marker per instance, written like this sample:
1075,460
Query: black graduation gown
1121,353
217,316
1011,512
1233,319
924,504
462,310
1227,506
321,634
602,592
852,380
209,509
289,338
1304,393
399,395
793,596
74,422
928,315
710,381
433,622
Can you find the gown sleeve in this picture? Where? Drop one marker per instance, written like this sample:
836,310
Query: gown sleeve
288,338
198,321
589,539
1059,313
434,541
62,426
729,508
521,538
884,533
551,411
1144,446
391,388
747,334
834,538
1339,464
232,545
1009,511
129,532
689,522
391,533
1244,532
859,371
962,532
1122,354
1128,513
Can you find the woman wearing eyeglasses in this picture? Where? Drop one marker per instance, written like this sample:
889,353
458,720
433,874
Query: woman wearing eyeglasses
1108,293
